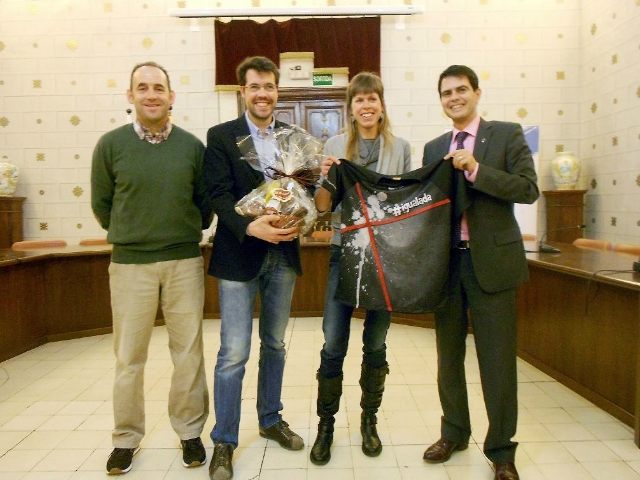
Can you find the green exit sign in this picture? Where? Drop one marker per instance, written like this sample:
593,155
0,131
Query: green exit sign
322,79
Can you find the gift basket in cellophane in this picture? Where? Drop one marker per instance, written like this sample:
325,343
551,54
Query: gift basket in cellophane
290,175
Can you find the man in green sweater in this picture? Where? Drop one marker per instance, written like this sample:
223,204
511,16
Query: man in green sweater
146,191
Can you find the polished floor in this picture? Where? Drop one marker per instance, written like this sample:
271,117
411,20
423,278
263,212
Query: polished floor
55,417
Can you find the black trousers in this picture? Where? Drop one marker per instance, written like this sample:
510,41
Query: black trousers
493,317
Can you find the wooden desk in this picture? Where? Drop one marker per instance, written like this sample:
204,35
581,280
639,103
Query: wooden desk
579,322
581,329
63,293
308,294
52,295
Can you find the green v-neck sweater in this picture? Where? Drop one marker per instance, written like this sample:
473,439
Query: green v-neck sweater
149,197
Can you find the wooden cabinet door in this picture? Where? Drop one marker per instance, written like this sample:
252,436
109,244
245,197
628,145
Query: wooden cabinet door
565,215
324,119
287,112
321,111
10,220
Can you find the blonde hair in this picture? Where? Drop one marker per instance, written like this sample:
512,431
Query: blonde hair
366,82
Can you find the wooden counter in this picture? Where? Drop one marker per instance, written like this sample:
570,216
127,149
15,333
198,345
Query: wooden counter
579,322
52,295
62,293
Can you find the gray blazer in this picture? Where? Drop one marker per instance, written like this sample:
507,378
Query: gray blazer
393,161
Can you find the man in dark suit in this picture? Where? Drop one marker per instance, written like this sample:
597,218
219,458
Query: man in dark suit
249,256
487,263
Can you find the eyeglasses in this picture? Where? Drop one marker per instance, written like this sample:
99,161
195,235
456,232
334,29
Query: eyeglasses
255,88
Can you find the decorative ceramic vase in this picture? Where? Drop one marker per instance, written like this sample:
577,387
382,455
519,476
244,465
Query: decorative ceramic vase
8,179
565,169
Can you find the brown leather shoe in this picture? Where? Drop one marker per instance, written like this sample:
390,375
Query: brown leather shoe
281,433
441,450
506,471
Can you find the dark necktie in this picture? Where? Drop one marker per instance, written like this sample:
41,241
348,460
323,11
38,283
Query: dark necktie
456,230
460,137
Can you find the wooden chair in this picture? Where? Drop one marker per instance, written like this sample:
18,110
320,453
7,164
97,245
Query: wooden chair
86,242
591,243
36,244
632,248
528,237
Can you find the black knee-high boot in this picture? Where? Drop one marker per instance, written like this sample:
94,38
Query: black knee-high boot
372,384
329,393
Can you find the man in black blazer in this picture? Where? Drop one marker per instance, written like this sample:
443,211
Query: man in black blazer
487,263
249,255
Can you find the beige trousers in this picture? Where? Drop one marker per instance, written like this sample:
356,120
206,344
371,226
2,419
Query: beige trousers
177,286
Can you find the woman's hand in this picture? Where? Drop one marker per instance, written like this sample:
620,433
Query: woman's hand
326,164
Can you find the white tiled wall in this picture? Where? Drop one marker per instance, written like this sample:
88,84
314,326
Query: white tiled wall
570,66
610,117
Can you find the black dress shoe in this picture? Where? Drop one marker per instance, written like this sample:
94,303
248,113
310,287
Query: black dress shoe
281,433
441,450
505,471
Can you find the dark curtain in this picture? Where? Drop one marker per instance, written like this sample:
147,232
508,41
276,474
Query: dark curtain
336,42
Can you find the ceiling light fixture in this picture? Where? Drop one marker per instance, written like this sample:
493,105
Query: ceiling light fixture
294,11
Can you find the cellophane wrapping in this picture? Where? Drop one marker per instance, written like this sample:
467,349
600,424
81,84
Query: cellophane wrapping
292,172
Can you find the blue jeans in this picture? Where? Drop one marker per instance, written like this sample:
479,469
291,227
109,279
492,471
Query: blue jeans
336,325
275,283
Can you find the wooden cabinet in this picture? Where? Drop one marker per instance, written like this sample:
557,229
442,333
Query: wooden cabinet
10,220
565,215
321,111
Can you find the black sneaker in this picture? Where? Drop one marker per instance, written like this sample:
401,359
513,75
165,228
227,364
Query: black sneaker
220,467
120,460
281,433
193,452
